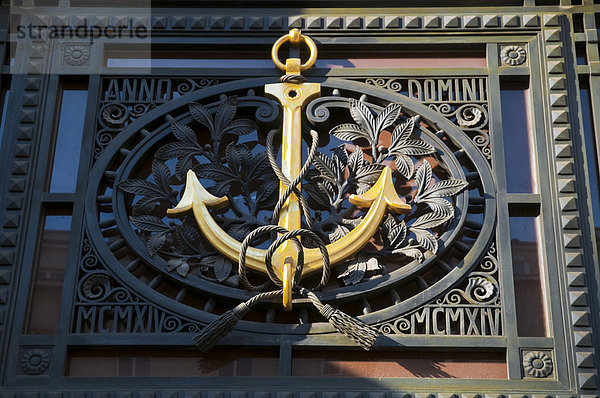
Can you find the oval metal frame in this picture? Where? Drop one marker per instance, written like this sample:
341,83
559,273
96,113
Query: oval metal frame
368,287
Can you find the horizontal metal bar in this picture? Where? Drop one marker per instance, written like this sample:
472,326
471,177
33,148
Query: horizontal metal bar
513,70
262,72
525,198
59,198
583,69
393,342
543,386
536,342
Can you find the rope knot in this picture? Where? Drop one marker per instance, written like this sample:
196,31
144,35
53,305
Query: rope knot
292,78
240,310
327,311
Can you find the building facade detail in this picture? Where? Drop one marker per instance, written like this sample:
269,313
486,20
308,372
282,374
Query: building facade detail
439,280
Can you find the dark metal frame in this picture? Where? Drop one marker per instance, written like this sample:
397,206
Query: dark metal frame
565,207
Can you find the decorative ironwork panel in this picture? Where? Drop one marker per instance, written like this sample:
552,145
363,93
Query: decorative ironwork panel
424,250
395,192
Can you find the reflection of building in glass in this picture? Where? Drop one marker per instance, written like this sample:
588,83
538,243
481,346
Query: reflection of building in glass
529,294
47,290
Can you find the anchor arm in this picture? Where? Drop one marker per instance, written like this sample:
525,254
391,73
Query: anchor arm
197,198
379,198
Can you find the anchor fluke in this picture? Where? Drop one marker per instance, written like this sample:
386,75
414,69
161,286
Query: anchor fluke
383,187
197,198
378,199
195,191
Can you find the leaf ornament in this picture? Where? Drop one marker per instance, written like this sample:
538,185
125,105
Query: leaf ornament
179,265
220,124
364,118
189,237
393,233
367,126
241,167
358,267
152,224
221,266
402,147
223,121
151,192
387,117
433,193
356,160
349,132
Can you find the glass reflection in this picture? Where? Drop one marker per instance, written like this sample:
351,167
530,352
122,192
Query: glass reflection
529,297
68,141
480,365
518,139
3,118
592,158
170,363
44,308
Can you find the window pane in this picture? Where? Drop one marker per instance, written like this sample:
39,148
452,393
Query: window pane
332,60
475,365
68,141
170,363
44,308
529,297
592,158
518,139
3,119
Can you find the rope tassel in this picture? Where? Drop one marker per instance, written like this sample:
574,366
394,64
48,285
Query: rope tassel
350,327
216,330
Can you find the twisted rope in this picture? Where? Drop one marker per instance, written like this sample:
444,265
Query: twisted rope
273,279
211,334
291,78
363,334
293,185
320,244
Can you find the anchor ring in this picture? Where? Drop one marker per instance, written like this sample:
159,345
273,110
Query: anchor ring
294,37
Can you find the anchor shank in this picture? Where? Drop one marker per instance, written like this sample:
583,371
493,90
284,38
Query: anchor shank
291,164
292,97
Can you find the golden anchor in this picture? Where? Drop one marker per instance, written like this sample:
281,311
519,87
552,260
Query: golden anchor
380,197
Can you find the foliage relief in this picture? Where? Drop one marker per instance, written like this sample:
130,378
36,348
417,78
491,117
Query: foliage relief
248,181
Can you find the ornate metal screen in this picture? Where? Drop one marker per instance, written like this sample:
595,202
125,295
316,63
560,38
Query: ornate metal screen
482,281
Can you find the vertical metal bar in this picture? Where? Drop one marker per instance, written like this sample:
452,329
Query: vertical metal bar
550,223
77,228
6,150
593,58
503,227
32,217
285,358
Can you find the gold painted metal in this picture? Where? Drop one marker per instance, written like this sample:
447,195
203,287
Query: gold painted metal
294,37
197,198
288,278
381,196
292,97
